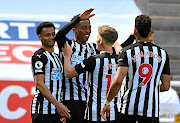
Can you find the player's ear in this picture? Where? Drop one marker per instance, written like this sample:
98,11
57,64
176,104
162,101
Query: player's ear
150,33
39,36
135,31
101,40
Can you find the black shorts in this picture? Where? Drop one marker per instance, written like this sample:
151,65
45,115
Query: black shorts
123,118
46,118
77,109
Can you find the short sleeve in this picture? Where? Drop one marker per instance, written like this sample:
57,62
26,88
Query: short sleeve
38,62
166,69
122,58
86,65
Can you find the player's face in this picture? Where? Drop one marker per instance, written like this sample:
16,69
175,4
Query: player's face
98,42
47,36
82,31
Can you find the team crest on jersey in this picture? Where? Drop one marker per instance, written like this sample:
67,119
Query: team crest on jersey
75,59
56,73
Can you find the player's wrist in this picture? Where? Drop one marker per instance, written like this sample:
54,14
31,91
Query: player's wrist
107,102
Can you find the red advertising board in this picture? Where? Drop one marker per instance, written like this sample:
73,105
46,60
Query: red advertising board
15,101
17,53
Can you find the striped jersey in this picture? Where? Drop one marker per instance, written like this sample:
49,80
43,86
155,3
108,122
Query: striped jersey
101,70
76,87
140,92
49,64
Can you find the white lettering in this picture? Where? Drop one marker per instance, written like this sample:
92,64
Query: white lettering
4,96
23,29
3,28
3,53
18,52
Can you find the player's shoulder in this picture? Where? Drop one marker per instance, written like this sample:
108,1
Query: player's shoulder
92,44
159,47
102,55
129,47
39,54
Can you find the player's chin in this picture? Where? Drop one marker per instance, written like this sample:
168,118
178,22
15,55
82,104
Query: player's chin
51,45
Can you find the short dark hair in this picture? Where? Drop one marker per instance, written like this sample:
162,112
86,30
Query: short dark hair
42,25
109,34
143,25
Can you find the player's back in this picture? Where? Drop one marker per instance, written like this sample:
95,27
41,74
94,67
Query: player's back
140,91
99,84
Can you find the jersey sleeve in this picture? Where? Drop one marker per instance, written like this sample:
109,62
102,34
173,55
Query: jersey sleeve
166,69
86,65
122,58
38,64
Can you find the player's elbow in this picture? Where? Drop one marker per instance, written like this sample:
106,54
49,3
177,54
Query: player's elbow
165,82
68,74
166,88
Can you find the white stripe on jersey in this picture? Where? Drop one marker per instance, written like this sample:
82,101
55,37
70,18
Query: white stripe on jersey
135,84
158,80
155,67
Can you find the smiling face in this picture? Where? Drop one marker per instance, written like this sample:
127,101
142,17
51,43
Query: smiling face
47,36
82,31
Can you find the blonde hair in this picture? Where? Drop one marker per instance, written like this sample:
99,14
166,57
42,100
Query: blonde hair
109,34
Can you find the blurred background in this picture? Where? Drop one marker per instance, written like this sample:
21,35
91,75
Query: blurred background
18,41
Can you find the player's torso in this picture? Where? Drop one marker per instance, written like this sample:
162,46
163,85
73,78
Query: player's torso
76,87
53,71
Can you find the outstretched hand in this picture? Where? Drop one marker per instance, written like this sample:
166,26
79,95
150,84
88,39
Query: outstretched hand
63,110
67,50
105,111
87,14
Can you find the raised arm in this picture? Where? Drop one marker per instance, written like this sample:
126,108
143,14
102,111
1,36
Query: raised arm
65,29
129,41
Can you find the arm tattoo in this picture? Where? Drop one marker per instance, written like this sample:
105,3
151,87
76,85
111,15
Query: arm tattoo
122,74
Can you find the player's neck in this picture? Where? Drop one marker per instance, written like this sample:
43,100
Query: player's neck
143,40
49,49
107,49
80,42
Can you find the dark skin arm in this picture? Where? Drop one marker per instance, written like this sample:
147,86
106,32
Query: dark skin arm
39,82
165,85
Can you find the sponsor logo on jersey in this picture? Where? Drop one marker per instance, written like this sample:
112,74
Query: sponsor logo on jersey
76,59
56,73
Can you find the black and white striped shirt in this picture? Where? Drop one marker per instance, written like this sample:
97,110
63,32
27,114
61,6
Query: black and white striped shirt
140,92
76,87
102,69
49,64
